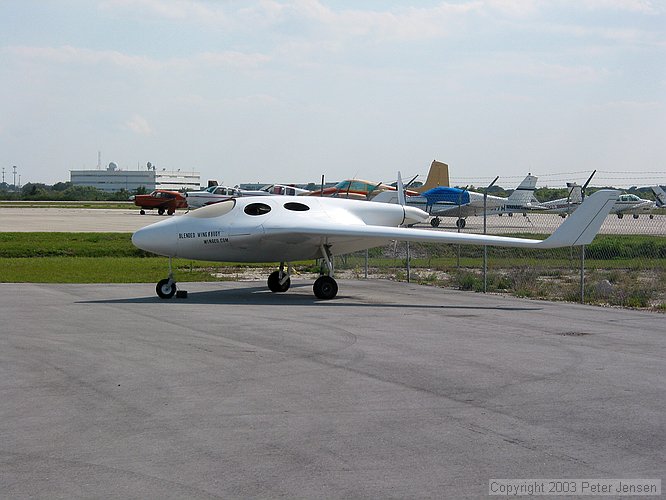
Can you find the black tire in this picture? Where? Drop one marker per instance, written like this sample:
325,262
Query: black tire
461,223
635,216
142,212
171,211
274,283
434,222
166,288
160,211
619,216
325,288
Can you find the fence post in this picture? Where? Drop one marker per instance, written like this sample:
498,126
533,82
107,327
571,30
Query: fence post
408,264
366,263
485,247
582,274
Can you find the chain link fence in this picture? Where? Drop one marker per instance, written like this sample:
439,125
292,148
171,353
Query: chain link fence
624,266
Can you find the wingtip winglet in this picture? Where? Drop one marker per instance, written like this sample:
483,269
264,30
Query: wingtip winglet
581,227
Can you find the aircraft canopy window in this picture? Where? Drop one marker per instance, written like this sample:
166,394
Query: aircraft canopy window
257,209
296,207
214,210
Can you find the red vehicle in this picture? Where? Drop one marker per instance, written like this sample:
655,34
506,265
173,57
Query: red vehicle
162,200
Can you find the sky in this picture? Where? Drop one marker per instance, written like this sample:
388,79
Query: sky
288,91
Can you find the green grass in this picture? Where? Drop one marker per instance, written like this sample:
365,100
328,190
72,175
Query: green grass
27,245
107,270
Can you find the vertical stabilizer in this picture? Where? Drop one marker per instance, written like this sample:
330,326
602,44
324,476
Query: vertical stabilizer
660,195
438,175
575,193
524,193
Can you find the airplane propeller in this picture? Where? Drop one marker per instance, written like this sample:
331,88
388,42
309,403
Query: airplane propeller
582,190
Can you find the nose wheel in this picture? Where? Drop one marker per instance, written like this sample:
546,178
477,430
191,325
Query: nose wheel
166,288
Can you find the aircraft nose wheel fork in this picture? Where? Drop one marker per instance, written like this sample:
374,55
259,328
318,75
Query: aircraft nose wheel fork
279,281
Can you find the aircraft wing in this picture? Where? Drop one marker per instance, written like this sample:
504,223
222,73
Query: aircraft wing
579,229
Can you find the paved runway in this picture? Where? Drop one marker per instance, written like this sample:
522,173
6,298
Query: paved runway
117,220
390,391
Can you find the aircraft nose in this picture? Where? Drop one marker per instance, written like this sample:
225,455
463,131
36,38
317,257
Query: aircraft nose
414,215
160,238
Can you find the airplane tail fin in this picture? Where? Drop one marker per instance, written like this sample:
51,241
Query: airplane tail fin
581,227
524,193
660,195
575,193
438,175
401,191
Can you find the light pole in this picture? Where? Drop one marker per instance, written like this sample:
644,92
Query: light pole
14,184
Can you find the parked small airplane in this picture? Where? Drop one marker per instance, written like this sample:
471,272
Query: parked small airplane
161,199
290,228
216,194
282,189
626,203
358,189
630,204
460,203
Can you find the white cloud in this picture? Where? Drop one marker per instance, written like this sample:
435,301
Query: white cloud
168,9
638,6
75,55
139,125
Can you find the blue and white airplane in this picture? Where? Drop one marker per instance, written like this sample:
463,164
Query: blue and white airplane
461,203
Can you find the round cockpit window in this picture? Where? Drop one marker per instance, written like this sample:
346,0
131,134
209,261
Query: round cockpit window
257,209
296,207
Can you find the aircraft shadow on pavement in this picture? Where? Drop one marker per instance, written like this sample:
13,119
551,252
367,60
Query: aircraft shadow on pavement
260,295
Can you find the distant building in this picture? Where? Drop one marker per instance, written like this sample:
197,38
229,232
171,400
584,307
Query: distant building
113,179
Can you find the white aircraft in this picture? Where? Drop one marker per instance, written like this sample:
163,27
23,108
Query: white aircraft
282,189
631,204
216,194
289,228
460,203
626,203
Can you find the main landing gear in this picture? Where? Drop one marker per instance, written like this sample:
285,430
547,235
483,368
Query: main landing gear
435,221
324,288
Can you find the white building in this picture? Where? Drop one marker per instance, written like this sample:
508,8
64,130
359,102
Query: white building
113,179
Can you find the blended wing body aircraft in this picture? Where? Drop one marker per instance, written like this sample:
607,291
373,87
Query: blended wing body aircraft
460,203
289,228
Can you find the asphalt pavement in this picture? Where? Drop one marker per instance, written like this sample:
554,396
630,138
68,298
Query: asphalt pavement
391,390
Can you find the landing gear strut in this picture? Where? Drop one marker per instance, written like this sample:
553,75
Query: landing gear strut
326,288
166,288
